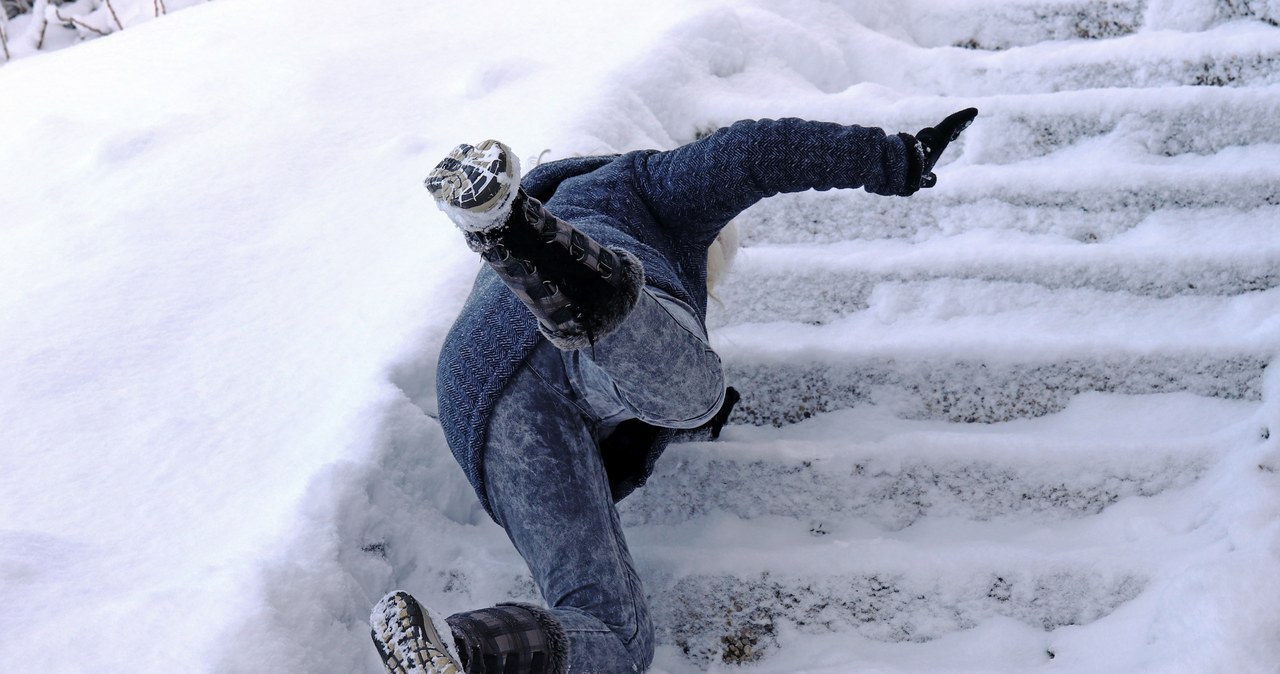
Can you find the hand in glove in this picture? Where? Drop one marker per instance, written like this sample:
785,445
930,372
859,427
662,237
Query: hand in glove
928,145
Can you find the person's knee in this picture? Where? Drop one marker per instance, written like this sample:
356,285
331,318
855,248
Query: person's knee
695,398
712,390
701,390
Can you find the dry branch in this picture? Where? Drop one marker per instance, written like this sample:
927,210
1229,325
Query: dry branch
44,27
71,20
113,15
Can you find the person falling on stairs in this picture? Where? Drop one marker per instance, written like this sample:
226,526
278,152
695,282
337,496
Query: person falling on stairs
583,349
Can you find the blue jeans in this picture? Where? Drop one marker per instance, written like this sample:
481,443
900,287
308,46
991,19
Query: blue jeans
547,482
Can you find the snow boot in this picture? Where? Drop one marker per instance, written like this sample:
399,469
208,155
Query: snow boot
511,639
476,184
578,290
407,639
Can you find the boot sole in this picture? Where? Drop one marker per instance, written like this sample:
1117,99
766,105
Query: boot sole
476,184
407,640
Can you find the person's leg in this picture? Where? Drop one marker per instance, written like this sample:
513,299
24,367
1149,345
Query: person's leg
656,366
627,343
578,290
549,490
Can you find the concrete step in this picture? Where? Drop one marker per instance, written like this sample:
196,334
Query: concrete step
969,306
729,619
722,589
1165,121
908,532
879,589
1232,55
1086,206
1021,23
819,284
949,388
980,351
889,473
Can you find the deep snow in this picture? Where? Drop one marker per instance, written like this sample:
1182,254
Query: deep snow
224,287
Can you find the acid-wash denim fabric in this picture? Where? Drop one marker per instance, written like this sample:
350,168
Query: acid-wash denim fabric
666,208
547,479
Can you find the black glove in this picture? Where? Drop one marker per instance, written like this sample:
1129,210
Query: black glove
731,398
924,148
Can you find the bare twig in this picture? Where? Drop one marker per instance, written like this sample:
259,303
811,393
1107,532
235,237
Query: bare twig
44,27
113,15
4,30
72,20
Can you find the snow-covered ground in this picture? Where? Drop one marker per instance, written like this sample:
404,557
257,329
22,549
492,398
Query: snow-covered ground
1022,422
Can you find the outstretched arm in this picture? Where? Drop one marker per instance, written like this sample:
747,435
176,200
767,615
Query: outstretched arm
707,182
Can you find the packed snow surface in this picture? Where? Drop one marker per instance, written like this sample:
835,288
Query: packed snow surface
1023,421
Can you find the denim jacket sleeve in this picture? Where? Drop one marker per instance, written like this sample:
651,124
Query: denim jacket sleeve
704,184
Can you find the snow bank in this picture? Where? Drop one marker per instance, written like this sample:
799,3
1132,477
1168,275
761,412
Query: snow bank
229,292
226,288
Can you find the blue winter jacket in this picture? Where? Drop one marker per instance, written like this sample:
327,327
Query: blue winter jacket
666,208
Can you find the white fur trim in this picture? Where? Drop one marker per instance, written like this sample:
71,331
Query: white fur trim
721,253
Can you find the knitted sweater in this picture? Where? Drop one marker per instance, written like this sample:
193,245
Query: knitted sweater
666,208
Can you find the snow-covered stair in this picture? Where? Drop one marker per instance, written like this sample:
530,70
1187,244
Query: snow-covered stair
1023,421
872,467
983,403
1018,23
905,531
1236,54
1018,418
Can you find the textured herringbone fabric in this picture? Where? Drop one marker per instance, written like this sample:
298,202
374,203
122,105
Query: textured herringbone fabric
666,208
